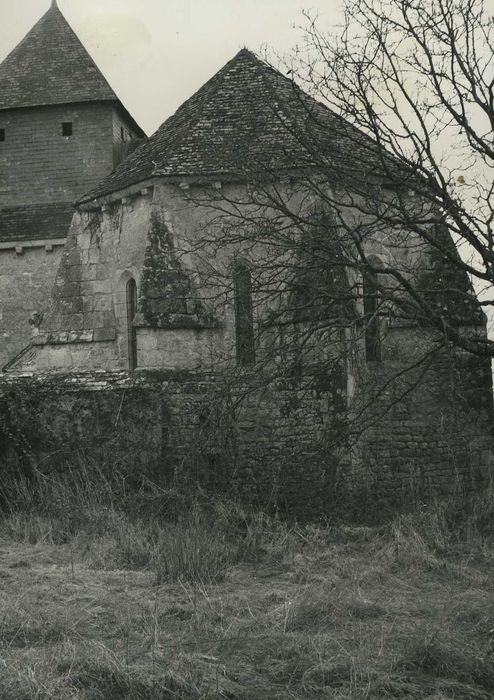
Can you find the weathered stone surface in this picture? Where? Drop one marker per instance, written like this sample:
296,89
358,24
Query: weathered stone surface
42,172
25,287
167,295
277,445
39,165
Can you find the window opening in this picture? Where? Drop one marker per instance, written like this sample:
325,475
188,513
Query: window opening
131,331
2,135
244,325
67,129
371,317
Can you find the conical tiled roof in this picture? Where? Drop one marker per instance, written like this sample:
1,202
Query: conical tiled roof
51,66
247,117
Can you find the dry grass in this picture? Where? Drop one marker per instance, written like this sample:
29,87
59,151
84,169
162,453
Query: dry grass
113,600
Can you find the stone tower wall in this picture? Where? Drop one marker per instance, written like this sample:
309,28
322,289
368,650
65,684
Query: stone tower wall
40,165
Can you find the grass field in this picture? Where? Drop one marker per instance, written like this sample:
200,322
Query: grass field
224,604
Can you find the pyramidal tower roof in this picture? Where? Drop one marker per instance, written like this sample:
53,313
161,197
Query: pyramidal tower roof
51,66
247,118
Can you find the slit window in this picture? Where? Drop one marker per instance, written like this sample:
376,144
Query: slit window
244,325
131,294
67,129
2,135
371,317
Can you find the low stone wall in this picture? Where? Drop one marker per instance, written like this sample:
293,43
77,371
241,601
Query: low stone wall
272,445
290,445
430,427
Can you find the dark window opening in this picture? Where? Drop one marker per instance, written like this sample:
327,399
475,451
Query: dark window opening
244,325
67,129
122,133
131,331
371,317
2,135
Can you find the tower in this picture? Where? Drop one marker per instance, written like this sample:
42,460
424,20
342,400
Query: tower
62,129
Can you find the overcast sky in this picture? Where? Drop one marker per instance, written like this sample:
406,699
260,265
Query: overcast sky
157,53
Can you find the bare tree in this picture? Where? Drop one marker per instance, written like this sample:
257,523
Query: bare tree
373,213
418,79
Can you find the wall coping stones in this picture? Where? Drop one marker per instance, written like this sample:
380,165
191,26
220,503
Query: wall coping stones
104,380
99,335
195,382
176,321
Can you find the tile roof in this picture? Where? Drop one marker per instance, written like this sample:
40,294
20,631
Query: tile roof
247,116
35,222
51,66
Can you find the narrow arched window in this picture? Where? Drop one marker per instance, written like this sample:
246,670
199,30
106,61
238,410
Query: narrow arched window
371,317
131,331
244,325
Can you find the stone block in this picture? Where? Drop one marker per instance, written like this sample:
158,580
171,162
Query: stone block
88,304
89,273
68,289
97,287
76,322
146,342
94,255
104,334
94,319
101,272
103,302
108,319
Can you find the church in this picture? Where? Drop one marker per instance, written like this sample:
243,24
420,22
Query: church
218,252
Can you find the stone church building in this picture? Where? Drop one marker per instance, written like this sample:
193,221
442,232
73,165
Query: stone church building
209,267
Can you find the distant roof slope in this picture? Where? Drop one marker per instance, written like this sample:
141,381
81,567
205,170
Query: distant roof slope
246,117
35,222
51,66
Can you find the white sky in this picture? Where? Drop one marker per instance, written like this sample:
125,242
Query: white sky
157,53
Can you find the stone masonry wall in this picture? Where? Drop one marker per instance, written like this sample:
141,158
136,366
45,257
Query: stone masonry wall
38,164
106,247
286,445
26,282
270,446
429,427
87,323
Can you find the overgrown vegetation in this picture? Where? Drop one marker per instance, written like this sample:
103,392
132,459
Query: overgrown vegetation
108,592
